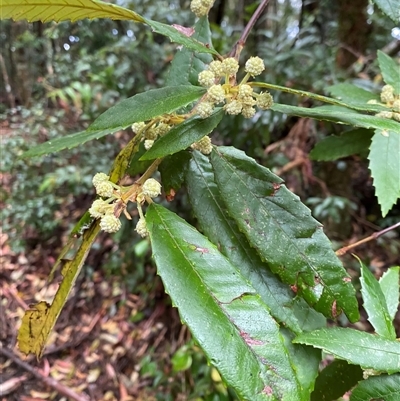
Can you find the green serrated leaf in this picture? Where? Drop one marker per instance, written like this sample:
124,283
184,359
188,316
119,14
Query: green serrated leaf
389,68
390,286
186,63
335,380
384,163
306,362
59,10
340,115
183,135
140,107
386,388
172,170
209,207
144,106
375,304
352,94
283,232
349,143
356,347
176,36
223,311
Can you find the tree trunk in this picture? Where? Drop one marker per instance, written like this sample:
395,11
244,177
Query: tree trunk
353,31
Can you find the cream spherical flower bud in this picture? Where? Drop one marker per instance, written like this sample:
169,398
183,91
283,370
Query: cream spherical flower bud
216,68
99,177
245,90
110,223
396,105
206,78
265,101
387,94
230,66
254,66
105,189
148,143
205,109
141,228
385,114
136,127
248,112
396,116
216,94
151,188
162,129
234,107
99,208
204,145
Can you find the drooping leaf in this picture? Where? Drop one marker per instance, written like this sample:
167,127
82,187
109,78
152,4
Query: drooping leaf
283,232
38,322
381,387
210,209
61,10
335,380
172,170
223,311
389,68
140,107
179,37
340,115
390,7
375,304
186,63
183,135
352,94
349,143
356,347
384,163
390,286
144,106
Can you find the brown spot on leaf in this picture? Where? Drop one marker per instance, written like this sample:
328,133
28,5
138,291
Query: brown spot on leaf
294,288
333,309
249,340
171,195
182,29
276,187
267,390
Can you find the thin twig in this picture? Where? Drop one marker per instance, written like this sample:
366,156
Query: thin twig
11,98
373,236
237,49
60,388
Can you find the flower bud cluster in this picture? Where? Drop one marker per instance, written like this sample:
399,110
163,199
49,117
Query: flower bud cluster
390,99
204,145
238,99
151,133
109,210
104,209
201,7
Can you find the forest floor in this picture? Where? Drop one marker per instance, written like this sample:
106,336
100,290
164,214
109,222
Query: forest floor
98,348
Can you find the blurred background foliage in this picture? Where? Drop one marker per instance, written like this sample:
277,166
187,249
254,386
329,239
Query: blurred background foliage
57,78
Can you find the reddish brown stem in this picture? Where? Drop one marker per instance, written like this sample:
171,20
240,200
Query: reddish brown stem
236,50
373,236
